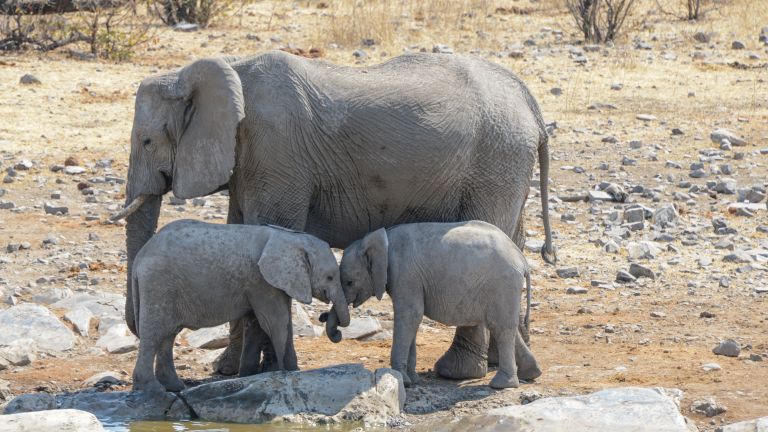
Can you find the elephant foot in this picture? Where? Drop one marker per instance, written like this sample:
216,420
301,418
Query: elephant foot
172,384
149,386
413,377
407,381
228,362
529,373
504,380
461,363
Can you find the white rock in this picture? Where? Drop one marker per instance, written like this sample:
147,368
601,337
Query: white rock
35,322
20,352
642,250
626,409
74,169
209,338
65,420
757,425
347,392
99,303
360,327
118,340
718,135
80,318
109,377
52,295
302,324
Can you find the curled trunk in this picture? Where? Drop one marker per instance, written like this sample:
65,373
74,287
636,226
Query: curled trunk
337,316
140,227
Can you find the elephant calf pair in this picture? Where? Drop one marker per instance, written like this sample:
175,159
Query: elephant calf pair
194,274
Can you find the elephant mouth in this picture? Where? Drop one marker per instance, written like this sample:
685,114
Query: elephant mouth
168,179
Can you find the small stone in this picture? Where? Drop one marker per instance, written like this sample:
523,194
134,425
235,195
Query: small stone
702,37
739,257
706,314
28,79
709,367
709,407
718,135
728,348
658,314
186,27
738,45
442,49
639,271
576,290
359,54
726,186
756,357
645,117
107,379
72,170
624,276
567,272
55,210
71,161
557,91
6,205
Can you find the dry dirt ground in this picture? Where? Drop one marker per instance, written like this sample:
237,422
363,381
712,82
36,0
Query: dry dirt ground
84,109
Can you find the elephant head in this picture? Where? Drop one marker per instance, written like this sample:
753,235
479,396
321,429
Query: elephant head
304,270
363,274
183,140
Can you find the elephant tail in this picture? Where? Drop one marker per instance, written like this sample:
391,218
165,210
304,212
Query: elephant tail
136,303
548,251
527,319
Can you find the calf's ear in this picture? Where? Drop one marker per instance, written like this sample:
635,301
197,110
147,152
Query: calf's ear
284,265
375,249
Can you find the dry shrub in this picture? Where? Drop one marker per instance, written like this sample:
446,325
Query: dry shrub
348,22
200,12
110,29
600,20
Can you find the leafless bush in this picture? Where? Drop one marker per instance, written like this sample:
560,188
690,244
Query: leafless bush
110,29
600,20
692,9
200,12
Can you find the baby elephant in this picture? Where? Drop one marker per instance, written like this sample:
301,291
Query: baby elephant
194,274
459,274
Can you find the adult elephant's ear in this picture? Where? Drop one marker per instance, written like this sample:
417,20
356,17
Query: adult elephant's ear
376,249
205,153
285,265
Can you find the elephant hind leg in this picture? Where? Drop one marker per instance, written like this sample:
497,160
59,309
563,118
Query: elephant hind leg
165,369
506,375
144,378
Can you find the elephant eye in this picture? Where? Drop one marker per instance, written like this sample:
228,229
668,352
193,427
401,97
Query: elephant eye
350,283
329,278
146,142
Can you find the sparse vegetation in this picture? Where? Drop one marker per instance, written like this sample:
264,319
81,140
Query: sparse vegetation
110,30
600,20
200,12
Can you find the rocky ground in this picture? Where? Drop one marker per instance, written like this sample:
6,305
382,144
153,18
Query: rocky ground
660,161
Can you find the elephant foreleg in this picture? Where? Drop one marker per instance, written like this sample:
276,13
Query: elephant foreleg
467,356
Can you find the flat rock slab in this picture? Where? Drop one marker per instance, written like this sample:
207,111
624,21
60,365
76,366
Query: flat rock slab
65,420
344,392
35,322
627,409
112,406
98,303
757,425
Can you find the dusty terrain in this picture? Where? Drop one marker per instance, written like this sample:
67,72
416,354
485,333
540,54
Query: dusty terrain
84,109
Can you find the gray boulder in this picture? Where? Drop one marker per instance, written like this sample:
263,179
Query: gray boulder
718,135
361,327
118,340
627,409
344,392
98,303
37,323
209,338
56,420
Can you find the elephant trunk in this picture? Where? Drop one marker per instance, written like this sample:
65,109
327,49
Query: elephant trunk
140,227
337,316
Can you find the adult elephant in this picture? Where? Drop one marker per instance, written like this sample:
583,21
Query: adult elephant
339,152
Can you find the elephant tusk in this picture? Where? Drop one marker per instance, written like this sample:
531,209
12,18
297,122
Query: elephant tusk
130,208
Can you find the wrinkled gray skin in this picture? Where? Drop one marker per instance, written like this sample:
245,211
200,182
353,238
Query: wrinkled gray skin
339,152
194,274
459,274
